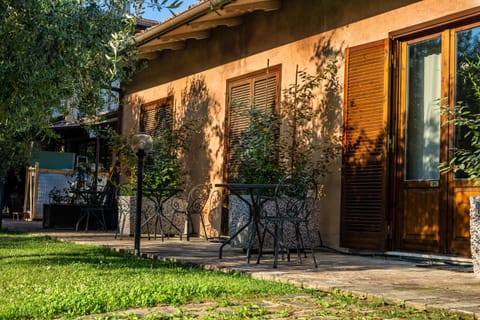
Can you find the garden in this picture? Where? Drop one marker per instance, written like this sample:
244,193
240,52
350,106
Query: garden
44,278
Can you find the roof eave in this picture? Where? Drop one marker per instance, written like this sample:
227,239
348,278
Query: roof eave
179,20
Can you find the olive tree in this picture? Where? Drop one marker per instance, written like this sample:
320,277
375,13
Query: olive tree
58,55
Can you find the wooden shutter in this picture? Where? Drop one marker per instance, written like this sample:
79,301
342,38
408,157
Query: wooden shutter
364,161
156,116
260,90
240,97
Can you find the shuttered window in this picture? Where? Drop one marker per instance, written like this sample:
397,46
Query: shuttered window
364,161
156,116
259,90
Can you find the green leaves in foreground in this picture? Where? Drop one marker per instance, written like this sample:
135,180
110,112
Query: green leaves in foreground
44,278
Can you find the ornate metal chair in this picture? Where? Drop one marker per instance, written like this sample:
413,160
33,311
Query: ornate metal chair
97,205
193,204
294,203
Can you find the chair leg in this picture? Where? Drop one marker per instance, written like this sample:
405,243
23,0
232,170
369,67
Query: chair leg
83,215
162,230
102,223
276,242
312,249
203,225
299,242
260,249
87,220
157,222
145,223
120,226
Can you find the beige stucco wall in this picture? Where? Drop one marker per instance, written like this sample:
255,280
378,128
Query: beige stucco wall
304,33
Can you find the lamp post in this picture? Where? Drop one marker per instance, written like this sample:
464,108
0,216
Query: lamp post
143,144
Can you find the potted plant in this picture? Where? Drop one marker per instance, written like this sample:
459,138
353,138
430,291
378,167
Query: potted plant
288,143
163,170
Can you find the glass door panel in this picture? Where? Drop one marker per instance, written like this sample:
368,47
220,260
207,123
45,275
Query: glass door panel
422,152
467,79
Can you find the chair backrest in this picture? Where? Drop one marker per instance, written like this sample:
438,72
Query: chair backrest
106,197
197,198
111,193
295,197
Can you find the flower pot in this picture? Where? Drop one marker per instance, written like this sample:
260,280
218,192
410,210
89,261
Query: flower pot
475,233
238,217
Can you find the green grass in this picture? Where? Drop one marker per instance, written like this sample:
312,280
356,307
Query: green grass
42,278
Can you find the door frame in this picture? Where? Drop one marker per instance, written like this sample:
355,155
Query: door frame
454,196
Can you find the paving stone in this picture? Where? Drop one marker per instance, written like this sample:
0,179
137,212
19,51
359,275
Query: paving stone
436,286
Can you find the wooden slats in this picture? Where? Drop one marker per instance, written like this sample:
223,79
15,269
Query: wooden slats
156,116
256,90
364,162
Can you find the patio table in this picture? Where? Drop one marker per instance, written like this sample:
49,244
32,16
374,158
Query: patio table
159,196
257,194
91,206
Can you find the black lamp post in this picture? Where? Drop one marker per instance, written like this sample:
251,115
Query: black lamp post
143,144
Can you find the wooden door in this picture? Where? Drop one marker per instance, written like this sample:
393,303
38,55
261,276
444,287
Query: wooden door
420,186
464,46
432,209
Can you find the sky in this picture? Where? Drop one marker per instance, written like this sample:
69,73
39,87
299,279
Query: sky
165,13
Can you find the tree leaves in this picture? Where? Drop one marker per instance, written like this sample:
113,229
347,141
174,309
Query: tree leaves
55,51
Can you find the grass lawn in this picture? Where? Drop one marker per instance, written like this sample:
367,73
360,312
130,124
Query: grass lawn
42,278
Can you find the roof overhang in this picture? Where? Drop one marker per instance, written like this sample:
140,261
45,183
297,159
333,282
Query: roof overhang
196,23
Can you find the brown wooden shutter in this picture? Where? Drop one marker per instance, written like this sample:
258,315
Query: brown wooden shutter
240,97
265,93
156,116
364,162
261,90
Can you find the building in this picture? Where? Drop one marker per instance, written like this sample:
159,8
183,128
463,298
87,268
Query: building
391,62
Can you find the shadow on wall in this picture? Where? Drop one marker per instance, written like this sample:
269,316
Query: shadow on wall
327,59
191,126
201,109
194,123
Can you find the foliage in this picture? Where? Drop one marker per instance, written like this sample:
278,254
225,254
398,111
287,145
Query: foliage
466,161
58,279
95,280
163,167
289,143
304,151
465,117
58,55
257,154
59,196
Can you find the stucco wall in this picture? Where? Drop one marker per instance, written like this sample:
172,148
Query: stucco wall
304,33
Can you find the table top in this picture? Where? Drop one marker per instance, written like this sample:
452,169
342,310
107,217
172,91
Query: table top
91,197
160,195
153,190
247,185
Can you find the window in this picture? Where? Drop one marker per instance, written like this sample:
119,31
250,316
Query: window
467,78
260,90
156,117
424,78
